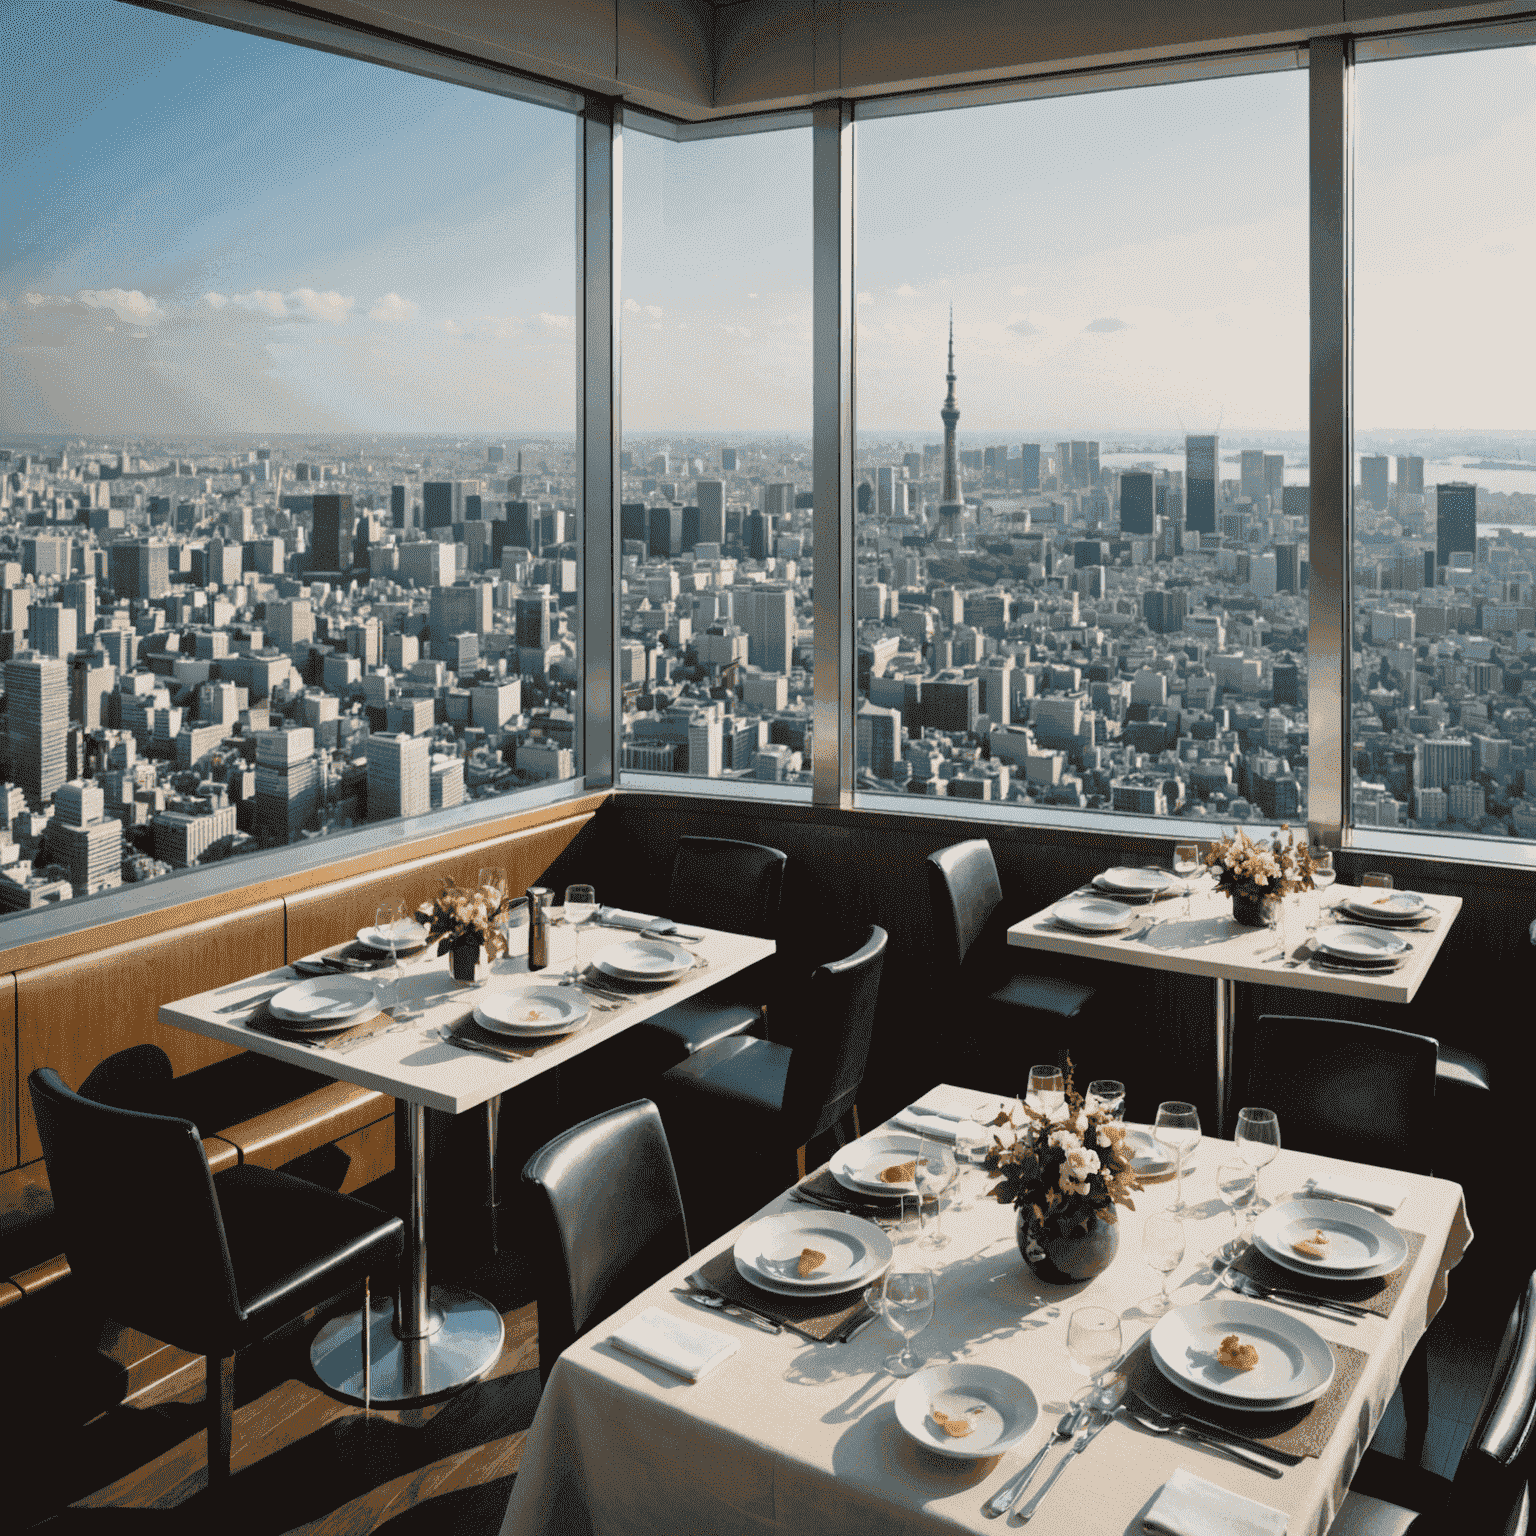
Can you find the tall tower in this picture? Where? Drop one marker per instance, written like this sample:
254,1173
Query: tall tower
951,507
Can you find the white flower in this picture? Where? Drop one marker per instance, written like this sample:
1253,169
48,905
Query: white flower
1080,1125
1066,1141
1069,1185
1082,1162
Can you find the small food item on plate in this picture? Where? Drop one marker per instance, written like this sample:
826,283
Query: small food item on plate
535,1016
1236,1356
810,1262
1314,1247
955,1425
900,1173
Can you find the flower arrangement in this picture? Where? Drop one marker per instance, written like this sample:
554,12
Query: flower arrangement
458,917
1260,872
1063,1173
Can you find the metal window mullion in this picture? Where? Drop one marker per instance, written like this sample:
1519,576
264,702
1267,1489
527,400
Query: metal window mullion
832,438
1329,626
599,231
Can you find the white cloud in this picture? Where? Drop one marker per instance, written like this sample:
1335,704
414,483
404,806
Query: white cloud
395,309
127,304
866,298
215,300
329,306
263,301
1025,328
906,291
565,324
751,295
1107,323
453,327
631,307
43,300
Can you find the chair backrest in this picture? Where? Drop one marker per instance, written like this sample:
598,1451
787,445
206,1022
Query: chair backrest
831,1042
1341,1089
965,892
606,1197
140,1218
719,883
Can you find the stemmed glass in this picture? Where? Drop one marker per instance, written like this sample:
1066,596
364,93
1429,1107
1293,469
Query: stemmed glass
1237,1184
1258,1143
1107,1094
1186,860
1093,1341
1322,877
908,1296
493,881
1178,1129
934,1174
580,909
1274,918
971,1144
390,921
1162,1246
1048,1088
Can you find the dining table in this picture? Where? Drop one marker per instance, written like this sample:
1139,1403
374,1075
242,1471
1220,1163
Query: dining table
1209,941
425,1050
786,1434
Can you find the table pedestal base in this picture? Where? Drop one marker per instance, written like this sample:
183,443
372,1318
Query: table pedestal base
462,1347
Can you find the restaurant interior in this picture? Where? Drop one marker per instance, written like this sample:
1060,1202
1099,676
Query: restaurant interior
107,1419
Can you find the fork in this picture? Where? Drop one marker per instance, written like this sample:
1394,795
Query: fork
1176,1427
485,1050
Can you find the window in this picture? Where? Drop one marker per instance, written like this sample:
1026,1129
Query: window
290,490
716,508
1082,451
1443,734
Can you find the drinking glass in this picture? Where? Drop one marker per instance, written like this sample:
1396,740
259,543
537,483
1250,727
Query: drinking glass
1162,1246
1380,881
908,1296
1048,1088
1236,1183
1108,1094
1093,1341
972,1142
1322,877
390,921
1274,918
493,878
1186,861
935,1173
580,909
1178,1129
1258,1143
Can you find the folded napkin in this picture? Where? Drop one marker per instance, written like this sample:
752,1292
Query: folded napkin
685,1348
643,922
1340,1186
946,1102
1187,1505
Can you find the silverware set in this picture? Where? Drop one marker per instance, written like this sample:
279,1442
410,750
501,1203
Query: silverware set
1246,1285
1156,1422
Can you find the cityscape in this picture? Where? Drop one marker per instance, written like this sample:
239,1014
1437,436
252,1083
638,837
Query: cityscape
211,648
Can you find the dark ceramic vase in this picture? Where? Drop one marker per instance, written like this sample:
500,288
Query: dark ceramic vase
465,957
1066,1260
1248,912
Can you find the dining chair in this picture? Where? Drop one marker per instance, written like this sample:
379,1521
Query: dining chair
1490,1492
608,1219
207,1262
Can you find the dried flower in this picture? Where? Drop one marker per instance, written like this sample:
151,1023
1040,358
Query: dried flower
1261,871
457,916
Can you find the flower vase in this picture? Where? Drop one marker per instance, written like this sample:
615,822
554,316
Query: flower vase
1059,1260
1249,911
465,959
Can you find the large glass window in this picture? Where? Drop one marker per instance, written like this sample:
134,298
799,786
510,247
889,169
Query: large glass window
287,537
1443,734
715,640
1082,524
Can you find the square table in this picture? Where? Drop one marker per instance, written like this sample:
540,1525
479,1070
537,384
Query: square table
440,1338
787,1435
1210,942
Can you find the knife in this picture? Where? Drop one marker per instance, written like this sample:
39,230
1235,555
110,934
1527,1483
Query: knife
1306,1298
1287,1458
1084,1435
697,1282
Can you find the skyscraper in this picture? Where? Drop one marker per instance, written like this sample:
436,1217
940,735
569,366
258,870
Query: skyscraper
1410,474
1136,503
37,693
1251,481
397,506
330,547
437,504
710,495
140,569
1200,477
1029,466
1373,479
950,504
399,776
1455,520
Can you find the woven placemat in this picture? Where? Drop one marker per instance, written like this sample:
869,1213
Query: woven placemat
263,1021
1378,1296
822,1185
1302,1431
823,1319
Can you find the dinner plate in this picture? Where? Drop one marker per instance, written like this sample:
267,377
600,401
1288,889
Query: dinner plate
536,1011
1217,1400
1362,1245
999,1407
1150,1156
1361,945
848,1162
1294,1358
323,999
644,960
1136,882
1386,906
767,1254
1089,914
407,935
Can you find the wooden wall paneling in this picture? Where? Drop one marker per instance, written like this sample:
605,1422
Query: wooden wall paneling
72,1015
10,1078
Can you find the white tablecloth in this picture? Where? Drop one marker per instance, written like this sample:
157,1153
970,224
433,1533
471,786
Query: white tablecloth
789,1436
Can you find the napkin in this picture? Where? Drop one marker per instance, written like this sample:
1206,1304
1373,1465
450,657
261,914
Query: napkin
946,1102
1187,1505
1340,1186
643,922
685,1348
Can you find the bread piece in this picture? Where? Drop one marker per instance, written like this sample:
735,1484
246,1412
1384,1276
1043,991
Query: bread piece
899,1173
1235,1355
1314,1247
810,1262
955,1425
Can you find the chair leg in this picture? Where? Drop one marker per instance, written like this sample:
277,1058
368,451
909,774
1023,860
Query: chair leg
493,1141
1414,1385
220,1396
840,1128
367,1342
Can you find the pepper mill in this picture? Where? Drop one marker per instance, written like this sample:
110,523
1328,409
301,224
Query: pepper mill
539,897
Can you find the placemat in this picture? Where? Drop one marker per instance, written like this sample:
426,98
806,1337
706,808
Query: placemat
1422,925
1378,1296
1302,1431
1306,953
823,1319
263,1021
823,1186
515,1045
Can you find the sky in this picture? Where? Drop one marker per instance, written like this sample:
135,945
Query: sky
205,231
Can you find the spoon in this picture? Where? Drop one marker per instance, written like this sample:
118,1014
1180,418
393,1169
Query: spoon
1005,1497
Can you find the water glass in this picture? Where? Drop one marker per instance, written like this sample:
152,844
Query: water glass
1236,1183
580,909
1107,1094
1047,1089
935,1173
1274,918
908,1298
1162,1246
1093,1340
1186,861
1177,1128
1258,1142
391,921
1322,877
972,1142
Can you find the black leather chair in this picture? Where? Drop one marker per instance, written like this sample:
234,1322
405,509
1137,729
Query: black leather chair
756,1092
716,883
206,1262
1491,1491
609,1219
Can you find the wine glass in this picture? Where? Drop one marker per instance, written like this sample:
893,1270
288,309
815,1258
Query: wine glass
580,909
389,922
1236,1183
935,1173
1274,920
1107,1094
1323,875
1093,1341
1186,860
1048,1089
1162,1246
1258,1142
972,1142
908,1296
1178,1129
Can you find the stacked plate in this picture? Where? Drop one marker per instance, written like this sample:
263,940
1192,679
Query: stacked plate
407,936
853,1253
1360,949
1294,1363
535,1012
644,960
1391,909
324,1004
1090,914
858,1165
1135,884
1361,1245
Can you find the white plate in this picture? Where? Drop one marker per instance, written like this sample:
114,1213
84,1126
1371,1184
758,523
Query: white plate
536,1011
1365,945
848,1162
1294,1359
1150,1156
644,960
1386,906
1008,1409
408,936
1091,915
1362,1245
768,1252
323,999
1216,1400
328,1026
1135,882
